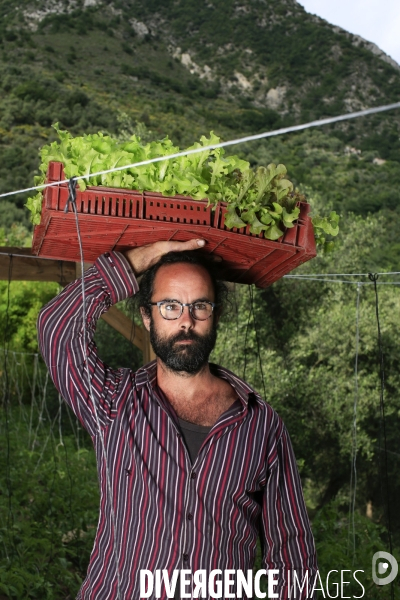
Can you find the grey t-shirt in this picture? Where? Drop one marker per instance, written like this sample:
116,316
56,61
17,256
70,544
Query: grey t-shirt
194,436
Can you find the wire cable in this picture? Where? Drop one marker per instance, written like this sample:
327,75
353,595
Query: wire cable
7,405
17,255
242,140
299,275
305,278
374,277
257,340
245,342
353,471
72,200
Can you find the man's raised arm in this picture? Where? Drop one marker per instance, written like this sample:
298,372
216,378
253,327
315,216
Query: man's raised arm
111,279
61,337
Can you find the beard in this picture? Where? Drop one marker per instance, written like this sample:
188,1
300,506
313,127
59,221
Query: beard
189,358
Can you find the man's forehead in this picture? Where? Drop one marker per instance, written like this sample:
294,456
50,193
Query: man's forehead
183,276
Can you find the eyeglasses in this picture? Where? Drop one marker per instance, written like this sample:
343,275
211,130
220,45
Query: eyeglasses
172,309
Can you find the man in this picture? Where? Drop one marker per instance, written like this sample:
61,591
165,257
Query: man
193,464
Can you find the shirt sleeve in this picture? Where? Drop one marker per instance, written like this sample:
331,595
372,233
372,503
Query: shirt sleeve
62,344
287,539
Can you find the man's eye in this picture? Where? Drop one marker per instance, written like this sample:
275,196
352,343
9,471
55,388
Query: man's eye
200,306
171,307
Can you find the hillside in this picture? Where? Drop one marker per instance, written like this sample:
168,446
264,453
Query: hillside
183,69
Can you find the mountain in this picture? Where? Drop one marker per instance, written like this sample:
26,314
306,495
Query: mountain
272,54
183,68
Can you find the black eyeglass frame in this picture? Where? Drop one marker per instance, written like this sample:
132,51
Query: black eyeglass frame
182,305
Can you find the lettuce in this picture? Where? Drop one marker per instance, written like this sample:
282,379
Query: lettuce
262,198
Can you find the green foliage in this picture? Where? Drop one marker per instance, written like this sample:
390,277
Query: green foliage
338,178
34,98
342,548
301,333
116,352
47,517
191,88
12,216
251,119
18,322
263,199
326,226
297,347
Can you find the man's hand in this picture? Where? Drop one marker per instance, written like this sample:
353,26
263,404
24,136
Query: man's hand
144,257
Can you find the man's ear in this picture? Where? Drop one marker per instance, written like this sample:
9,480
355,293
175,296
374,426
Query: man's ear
145,318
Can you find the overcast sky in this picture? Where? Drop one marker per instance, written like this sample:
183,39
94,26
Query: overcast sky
377,21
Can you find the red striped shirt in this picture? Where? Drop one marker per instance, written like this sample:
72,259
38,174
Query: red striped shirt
172,514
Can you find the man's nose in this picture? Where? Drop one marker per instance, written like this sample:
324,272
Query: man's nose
186,320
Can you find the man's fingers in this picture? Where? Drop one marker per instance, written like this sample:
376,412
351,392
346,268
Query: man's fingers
194,244
144,257
189,245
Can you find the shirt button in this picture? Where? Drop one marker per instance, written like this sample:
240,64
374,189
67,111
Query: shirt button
107,255
190,516
193,475
185,557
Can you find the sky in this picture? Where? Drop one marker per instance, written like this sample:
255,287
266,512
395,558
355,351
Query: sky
377,21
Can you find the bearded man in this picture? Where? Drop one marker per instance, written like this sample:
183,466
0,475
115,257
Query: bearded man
194,466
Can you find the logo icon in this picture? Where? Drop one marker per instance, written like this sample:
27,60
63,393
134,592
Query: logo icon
380,566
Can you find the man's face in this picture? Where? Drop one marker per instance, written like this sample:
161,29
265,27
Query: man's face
182,344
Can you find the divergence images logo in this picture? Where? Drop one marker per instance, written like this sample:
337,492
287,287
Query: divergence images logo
384,559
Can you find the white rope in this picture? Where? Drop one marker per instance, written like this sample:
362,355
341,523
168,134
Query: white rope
248,138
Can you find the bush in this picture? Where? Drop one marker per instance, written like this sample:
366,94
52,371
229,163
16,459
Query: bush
77,97
31,90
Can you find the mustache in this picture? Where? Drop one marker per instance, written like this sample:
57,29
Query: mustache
185,336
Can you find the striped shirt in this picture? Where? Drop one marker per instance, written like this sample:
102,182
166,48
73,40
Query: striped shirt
171,513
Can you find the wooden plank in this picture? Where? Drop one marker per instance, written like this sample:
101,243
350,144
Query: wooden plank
20,264
78,268
16,262
125,326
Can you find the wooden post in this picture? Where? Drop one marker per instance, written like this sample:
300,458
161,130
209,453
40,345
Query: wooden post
125,326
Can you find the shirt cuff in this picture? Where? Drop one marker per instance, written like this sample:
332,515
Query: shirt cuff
118,276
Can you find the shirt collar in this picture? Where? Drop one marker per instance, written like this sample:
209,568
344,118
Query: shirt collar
148,374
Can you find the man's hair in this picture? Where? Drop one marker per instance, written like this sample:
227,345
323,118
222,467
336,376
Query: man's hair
192,257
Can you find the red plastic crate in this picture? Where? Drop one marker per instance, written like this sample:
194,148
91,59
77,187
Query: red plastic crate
118,219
